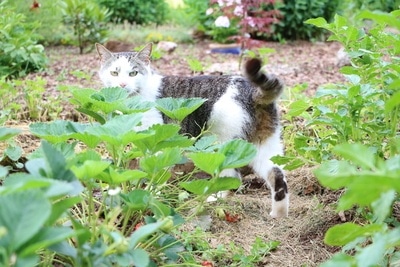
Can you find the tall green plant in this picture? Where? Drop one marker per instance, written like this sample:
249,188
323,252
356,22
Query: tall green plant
88,21
366,108
357,125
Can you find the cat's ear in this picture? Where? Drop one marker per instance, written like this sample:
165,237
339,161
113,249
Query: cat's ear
145,53
103,52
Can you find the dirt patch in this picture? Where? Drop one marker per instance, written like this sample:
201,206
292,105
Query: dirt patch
311,213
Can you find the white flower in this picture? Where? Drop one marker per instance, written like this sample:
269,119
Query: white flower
222,21
238,10
209,11
113,192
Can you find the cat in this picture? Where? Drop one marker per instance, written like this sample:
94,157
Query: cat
236,107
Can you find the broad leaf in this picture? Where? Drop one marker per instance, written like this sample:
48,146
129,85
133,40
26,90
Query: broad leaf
341,234
23,214
209,162
7,133
207,187
178,108
238,153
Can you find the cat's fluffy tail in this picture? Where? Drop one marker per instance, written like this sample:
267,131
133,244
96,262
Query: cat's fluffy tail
270,85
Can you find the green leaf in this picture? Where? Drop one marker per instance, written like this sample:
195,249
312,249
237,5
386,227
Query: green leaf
342,234
365,188
335,174
61,206
46,237
23,214
319,22
298,107
209,162
207,187
178,108
339,260
90,169
168,157
238,153
358,154
7,133
56,164
140,257
161,136
13,152
393,102
114,177
383,206
144,231
137,199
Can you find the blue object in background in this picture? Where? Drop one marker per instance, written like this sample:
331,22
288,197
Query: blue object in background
227,50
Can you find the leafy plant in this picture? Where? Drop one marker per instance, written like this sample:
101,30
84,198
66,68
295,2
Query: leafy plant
20,53
136,11
113,215
88,21
370,182
293,14
353,130
364,110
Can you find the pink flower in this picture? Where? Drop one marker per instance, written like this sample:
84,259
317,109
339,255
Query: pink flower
238,10
209,11
222,21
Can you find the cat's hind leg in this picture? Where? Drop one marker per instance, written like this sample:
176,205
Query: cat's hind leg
272,174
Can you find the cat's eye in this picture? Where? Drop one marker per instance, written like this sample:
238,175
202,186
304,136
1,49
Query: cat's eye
114,73
133,73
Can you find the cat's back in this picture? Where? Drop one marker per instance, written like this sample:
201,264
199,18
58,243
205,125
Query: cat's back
204,86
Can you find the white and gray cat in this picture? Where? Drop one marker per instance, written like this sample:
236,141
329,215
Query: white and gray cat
236,107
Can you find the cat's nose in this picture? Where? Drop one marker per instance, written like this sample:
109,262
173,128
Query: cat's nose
122,85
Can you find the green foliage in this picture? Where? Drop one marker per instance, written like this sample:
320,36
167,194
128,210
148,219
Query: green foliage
291,25
123,216
23,99
372,182
136,11
352,129
363,110
88,21
20,53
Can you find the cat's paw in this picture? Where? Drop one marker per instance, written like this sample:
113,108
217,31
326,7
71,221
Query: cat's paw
280,209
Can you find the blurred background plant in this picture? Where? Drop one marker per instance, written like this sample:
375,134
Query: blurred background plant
88,21
20,52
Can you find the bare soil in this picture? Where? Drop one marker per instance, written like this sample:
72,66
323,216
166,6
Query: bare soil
311,212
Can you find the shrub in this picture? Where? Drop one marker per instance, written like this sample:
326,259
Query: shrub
353,129
227,21
20,53
88,21
291,25
136,11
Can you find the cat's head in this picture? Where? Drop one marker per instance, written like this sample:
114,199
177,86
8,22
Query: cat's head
124,69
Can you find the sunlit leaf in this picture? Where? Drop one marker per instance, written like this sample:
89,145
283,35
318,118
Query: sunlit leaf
341,234
178,108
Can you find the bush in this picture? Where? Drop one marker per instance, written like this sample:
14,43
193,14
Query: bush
136,11
88,21
20,53
291,25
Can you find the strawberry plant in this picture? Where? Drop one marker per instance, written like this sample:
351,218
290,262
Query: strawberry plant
94,208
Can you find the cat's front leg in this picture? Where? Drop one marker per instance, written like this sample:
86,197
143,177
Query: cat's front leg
150,118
